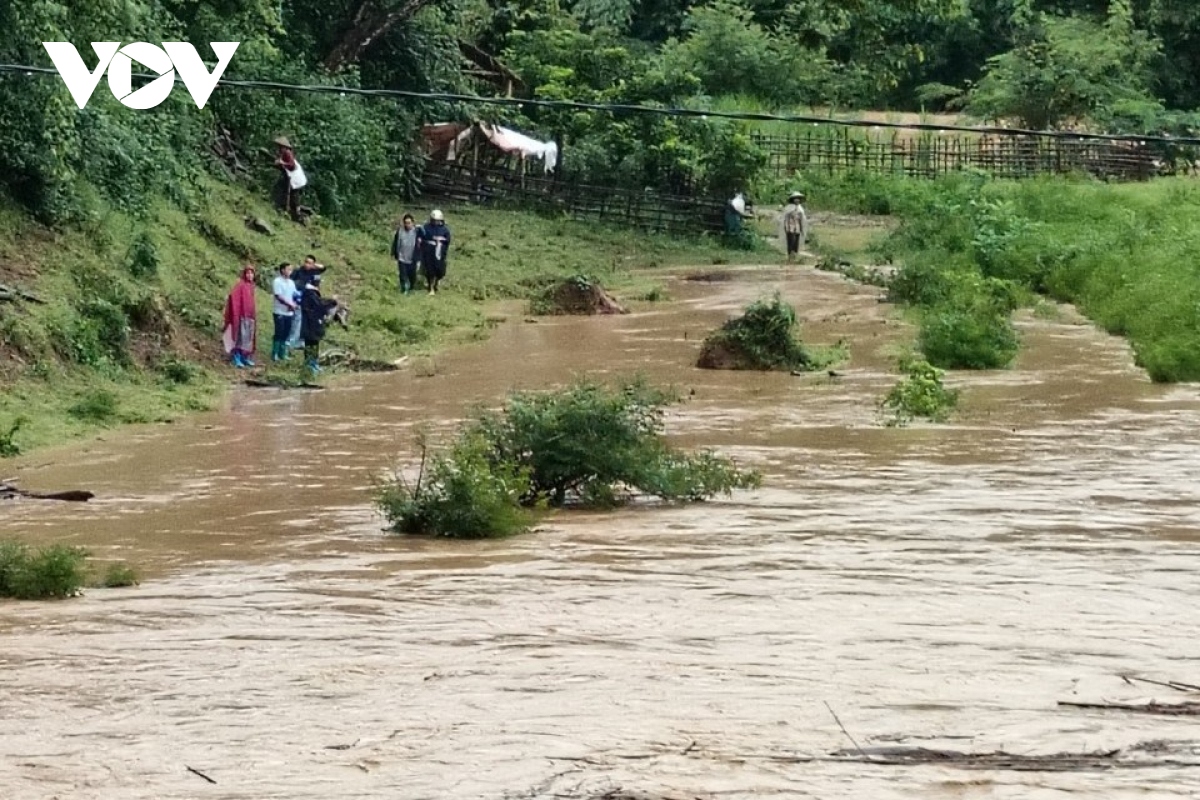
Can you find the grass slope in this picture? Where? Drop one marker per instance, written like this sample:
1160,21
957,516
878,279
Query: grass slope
1124,254
130,326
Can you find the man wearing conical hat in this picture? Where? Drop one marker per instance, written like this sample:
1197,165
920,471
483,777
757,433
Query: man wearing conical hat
291,179
795,224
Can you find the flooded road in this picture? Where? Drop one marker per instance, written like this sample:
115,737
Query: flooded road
941,587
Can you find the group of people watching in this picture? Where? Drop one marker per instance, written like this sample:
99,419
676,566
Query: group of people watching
299,309
301,313
425,247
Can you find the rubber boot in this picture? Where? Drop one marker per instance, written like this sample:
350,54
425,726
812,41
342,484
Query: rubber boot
237,361
247,361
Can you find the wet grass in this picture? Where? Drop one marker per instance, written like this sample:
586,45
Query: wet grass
129,328
1124,254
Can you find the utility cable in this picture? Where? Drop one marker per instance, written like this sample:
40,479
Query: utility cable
619,108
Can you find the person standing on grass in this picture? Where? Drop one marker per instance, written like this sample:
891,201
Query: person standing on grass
292,179
433,245
301,278
284,310
241,321
315,311
404,250
795,224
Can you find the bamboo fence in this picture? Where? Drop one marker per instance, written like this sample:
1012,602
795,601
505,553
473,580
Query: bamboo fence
930,155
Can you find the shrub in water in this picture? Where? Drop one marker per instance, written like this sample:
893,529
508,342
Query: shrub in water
118,576
27,574
976,335
586,444
763,338
920,394
463,494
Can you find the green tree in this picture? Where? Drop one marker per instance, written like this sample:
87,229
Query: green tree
1066,70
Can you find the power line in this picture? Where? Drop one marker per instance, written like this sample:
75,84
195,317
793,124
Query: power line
619,108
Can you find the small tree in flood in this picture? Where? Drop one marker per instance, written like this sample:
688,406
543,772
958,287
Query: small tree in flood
460,494
920,394
763,338
587,445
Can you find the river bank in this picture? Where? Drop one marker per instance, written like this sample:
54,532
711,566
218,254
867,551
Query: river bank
126,324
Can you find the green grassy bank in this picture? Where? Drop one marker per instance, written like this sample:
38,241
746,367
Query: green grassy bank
126,323
970,249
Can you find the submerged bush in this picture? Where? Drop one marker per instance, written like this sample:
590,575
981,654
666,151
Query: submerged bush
763,338
587,444
462,494
49,572
119,576
976,335
920,394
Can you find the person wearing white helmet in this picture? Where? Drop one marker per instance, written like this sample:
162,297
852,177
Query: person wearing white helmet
433,243
795,224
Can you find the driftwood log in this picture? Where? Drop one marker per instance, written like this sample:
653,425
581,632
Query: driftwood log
10,492
1164,709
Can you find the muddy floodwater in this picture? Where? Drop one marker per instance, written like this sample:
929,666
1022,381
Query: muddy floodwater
935,586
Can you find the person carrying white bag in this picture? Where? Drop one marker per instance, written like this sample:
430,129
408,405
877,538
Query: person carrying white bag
292,180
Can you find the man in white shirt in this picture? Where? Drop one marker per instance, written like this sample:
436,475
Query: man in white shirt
283,308
795,224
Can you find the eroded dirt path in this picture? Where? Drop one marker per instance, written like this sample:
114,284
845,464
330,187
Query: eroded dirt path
936,586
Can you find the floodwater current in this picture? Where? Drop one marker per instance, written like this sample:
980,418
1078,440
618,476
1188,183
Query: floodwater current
935,586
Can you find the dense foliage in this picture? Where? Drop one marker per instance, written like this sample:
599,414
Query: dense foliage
1131,64
970,250
586,444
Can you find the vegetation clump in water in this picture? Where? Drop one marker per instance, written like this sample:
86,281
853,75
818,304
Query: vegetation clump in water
49,572
587,445
763,338
119,576
920,394
578,295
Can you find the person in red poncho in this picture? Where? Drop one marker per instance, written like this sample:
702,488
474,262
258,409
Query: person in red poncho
241,321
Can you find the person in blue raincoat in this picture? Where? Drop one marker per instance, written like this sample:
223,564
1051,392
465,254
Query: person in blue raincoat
433,243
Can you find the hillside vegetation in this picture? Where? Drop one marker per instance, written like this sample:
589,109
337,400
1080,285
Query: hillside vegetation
970,250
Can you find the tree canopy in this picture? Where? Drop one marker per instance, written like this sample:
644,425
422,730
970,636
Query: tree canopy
1128,65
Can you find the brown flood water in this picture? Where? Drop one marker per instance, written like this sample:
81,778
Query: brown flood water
936,586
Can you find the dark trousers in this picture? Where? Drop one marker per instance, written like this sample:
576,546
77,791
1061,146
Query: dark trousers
286,198
435,270
408,274
312,350
283,328
793,243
